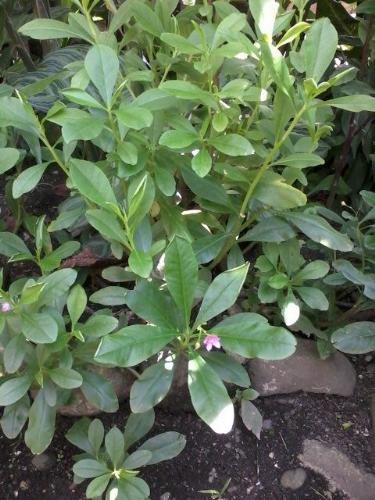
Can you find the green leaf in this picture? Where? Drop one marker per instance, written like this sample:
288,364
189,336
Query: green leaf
114,445
227,368
313,297
95,435
222,293
313,271
151,387
134,117
202,163
164,446
56,285
181,274
272,229
99,325
293,32
137,459
250,335
107,224
76,303
264,13
318,229
9,157
132,345
13,113
48,29
228,28
99,391
272,190
41,426
140,263
209,396
91,182
353,103
81,97
180,43
251,417
65,378
97,486
152,305
39,328
137,426
102,66
14,389
15,417
78,435
319,48
14,353
78,124
177,139
131,488
128,153
110,296
147,19
11,244
88,468
355,338
188,91
300,160
232,145
278,281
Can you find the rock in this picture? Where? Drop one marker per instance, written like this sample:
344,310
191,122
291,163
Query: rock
121,379
293,479
165,496
339,471
267,424
303,371
43,462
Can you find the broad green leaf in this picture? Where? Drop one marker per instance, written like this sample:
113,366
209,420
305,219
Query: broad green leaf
227,368
14,353
188,91
56,285
99,391
13,113
222,293
318,229
353,103
313,271
107,224
351,273
208,247
319,48
272,190
140,263
114,445
181,274
8,158
300,160
109,296
137,426
134,117
355,338
272,229
95,435
11,244
102,66
137,459
132,345
313,297
48,29
201,163
91,182
164,446
180,43
97,486
15,417
278,281
228,27
128,153
88,468
251,417
131,488
177,139
78,124
232,145
147,19
41,428
39,328
152,305
250,335
81,97
293,32
65,377
151,387
76,303
99,325
209,396
264,13
14,389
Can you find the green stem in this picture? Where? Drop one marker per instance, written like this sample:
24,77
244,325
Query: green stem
54,155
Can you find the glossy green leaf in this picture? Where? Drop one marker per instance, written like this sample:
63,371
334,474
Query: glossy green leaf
8,158
81,97
11,244
41,428
97,486
313,271
15,417
114,445
151,387
140,263
102,66
91,182
355,338
76,303
137,459
109,296
65,377
48,29
14,389
99,391
164,446
134,117
177,139
88,468
232,145
39,328
227,368
107,224
354,103
180,43
313,297
78,124
128,153
188,91
137,426
272,229
14,353
264,13
201,163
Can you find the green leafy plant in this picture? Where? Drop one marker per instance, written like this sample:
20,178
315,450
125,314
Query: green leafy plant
113,466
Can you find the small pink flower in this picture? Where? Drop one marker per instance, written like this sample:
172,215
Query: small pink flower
211,341
5,307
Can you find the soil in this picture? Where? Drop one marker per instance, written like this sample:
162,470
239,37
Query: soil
254,467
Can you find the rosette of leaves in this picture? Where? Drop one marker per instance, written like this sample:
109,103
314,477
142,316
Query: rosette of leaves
171,327
113,466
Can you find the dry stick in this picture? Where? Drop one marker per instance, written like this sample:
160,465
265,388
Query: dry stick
343,158
18,43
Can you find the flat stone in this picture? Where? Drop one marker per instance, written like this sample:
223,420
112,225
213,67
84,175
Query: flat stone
338,469
293,479
303,371
43,462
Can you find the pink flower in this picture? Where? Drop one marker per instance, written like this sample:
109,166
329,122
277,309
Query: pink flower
211,341
5,307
